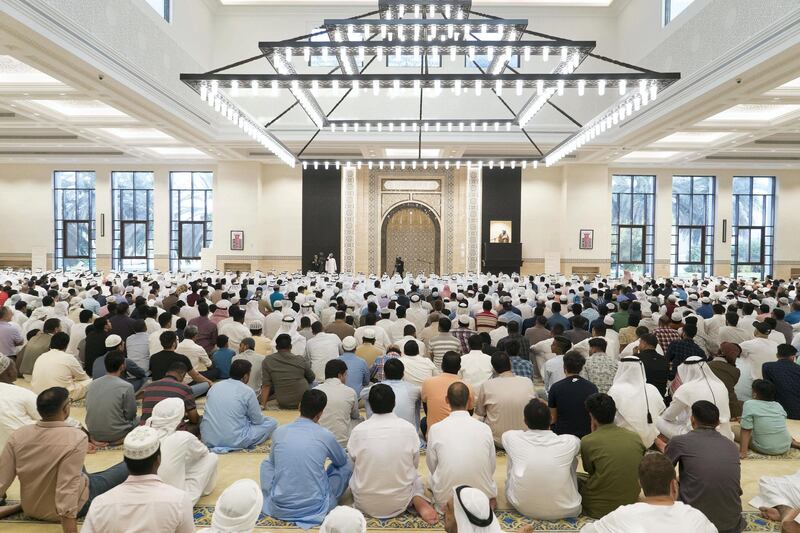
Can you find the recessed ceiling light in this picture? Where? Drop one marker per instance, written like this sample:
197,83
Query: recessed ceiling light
412,153
694,137
80,108
15,72
753,113
642,155
137,134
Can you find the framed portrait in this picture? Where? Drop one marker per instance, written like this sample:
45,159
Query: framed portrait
237,240
586,240
500,231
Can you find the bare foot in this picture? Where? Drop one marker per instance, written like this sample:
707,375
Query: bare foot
527,528
492,504
8,510
795,444
770,513
98,444
425,510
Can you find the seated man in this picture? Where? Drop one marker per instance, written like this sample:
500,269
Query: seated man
639,404
197,354
48,459
567,398
285,375
232,419
143,503
406,395
698,382
133,374
785,375
296,485
111,402
172,386
724,367
763,424
222,356
710,471
247,353
385,453
469,511
186,463
658,512
779,500
476,366
434,392
501,400
539,454
341,412
610,455
238,507
600,367
18,404
57,368
460,451
161,361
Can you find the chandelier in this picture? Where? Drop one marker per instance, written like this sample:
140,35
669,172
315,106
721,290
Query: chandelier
429,30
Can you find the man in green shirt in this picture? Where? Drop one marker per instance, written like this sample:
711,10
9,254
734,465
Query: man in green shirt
611,457
764,423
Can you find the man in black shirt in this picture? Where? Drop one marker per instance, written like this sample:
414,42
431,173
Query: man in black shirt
567,398
161,361
656,366
785,375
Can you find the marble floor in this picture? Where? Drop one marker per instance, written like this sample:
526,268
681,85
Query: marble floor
235,466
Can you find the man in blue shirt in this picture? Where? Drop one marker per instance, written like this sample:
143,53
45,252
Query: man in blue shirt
232,419
785,375
276,295
296,485
557,317
357,369
407,396
793,317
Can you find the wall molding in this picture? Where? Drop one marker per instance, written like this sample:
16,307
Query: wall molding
259,258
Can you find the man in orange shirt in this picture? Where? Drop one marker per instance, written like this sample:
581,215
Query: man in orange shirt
434,392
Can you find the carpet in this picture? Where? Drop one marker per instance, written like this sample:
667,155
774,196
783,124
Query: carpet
509,521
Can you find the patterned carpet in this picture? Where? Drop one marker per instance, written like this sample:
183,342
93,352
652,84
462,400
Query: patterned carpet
509,521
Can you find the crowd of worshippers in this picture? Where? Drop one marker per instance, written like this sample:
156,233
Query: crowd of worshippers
633,377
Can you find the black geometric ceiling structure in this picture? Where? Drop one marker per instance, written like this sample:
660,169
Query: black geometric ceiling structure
426,29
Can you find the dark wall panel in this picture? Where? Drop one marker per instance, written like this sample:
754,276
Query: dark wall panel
502,197
322,218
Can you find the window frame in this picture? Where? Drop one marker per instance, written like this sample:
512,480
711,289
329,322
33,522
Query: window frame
707,228
648,241
767,249
118,256
176,257
60,224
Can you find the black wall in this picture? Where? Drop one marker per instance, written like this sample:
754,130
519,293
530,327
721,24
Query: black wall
502,199
322,221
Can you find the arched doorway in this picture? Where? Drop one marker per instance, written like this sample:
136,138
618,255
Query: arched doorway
411,231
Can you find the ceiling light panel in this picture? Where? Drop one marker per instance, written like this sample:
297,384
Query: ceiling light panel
177,151
753,113
15,72
80,108
696,137
649,156
136,134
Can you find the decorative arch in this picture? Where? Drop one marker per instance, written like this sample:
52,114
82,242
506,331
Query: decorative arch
423,239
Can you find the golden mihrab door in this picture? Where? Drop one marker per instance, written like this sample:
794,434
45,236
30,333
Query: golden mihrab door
411,231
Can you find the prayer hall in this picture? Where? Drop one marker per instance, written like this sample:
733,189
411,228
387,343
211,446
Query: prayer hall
399,266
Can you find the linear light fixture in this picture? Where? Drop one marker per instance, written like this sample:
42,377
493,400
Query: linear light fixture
424,164
413,125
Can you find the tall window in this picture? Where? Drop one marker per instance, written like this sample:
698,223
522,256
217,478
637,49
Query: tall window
673,8
132,215
162,7
753,226
73,206
692,225
633,200
191,205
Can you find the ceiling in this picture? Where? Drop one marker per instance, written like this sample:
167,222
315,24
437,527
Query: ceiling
478,3
54,107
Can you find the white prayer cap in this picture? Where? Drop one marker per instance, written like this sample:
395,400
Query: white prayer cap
783,300
141,443
705,300
693,296
344,519
5,362
238,507
415,297
369,333
349,343
608,320
462,304
672,298
472,511
677,316
287,319
611,306
463,320
255,325
563,298
223,304
278,304
167,416
112,341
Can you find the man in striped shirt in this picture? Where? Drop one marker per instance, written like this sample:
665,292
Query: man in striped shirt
486,320
172,386
442,343
463,333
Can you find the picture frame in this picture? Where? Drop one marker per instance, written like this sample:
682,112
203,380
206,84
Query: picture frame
586,239
237,240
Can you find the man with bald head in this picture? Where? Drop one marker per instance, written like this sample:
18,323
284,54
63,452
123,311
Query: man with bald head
10,333
460,451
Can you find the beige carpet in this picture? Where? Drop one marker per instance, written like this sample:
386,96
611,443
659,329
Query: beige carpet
240,465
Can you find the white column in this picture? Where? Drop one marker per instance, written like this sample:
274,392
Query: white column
348,239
